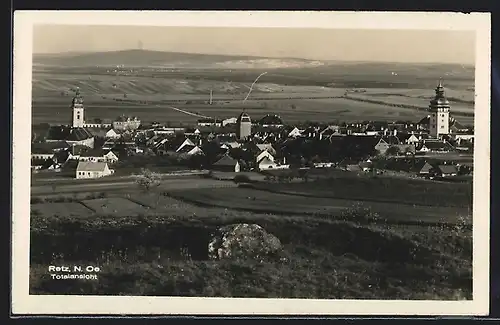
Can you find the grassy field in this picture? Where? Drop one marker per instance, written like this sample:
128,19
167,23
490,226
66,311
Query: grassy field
248,199
320,259
346,185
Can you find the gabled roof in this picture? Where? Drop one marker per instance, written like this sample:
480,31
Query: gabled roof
89,166
97,152
226,160
265,160
266,146
48,147
68,134
424,121
447,169
391,139
187,148
426,167
437,145
405,136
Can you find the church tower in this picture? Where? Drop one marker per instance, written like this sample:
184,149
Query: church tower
439,108
78,110
243,126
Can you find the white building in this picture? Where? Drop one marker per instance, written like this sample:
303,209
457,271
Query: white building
99,155
78,110
294,133
113,134
92,170
439,123
126,123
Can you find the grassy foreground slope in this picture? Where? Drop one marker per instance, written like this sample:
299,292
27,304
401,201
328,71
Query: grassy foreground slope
322,258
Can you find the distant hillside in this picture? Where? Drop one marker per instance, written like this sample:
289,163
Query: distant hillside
146,58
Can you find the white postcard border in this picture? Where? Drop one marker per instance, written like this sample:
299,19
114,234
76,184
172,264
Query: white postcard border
23,303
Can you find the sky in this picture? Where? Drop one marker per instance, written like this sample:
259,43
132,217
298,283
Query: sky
425,46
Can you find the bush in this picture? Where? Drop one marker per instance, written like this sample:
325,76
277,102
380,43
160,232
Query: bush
242,179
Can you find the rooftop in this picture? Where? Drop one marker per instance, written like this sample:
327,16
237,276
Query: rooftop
89,166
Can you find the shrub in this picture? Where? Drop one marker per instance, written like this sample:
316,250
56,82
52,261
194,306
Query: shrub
241,179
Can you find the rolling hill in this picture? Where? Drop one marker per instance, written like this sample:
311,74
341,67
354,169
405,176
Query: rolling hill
146,58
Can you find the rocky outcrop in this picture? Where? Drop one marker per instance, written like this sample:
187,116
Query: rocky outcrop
243,241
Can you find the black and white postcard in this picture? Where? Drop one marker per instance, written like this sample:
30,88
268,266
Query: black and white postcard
285,163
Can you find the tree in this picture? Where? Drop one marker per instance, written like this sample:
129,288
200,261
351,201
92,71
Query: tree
148,179
392,151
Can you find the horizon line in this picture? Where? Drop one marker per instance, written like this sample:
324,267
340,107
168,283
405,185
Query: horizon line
252,56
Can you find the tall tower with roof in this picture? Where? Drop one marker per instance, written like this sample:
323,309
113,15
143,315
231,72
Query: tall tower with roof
78,110
243,126
439,108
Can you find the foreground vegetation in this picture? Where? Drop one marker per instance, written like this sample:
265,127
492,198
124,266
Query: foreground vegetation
322,258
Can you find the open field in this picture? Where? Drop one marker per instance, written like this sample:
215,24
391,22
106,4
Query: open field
346,185
296,94
125,185
61,209
247,199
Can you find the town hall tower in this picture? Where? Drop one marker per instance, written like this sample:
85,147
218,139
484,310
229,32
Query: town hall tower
439,122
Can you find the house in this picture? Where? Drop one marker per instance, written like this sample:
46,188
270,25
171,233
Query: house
126,123
408,138
295,132
446,171
231,145
329,131
406,149
228,121
40,154
190,150
99,155
262,154
209,122
266,146
91,170
435,146
426,170
310,132
192,132
382,146
265,163
48,150
227,164
113,134
271,120
176,145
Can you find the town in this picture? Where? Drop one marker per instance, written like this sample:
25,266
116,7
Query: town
435,147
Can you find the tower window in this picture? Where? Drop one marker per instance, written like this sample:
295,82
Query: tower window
442,126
